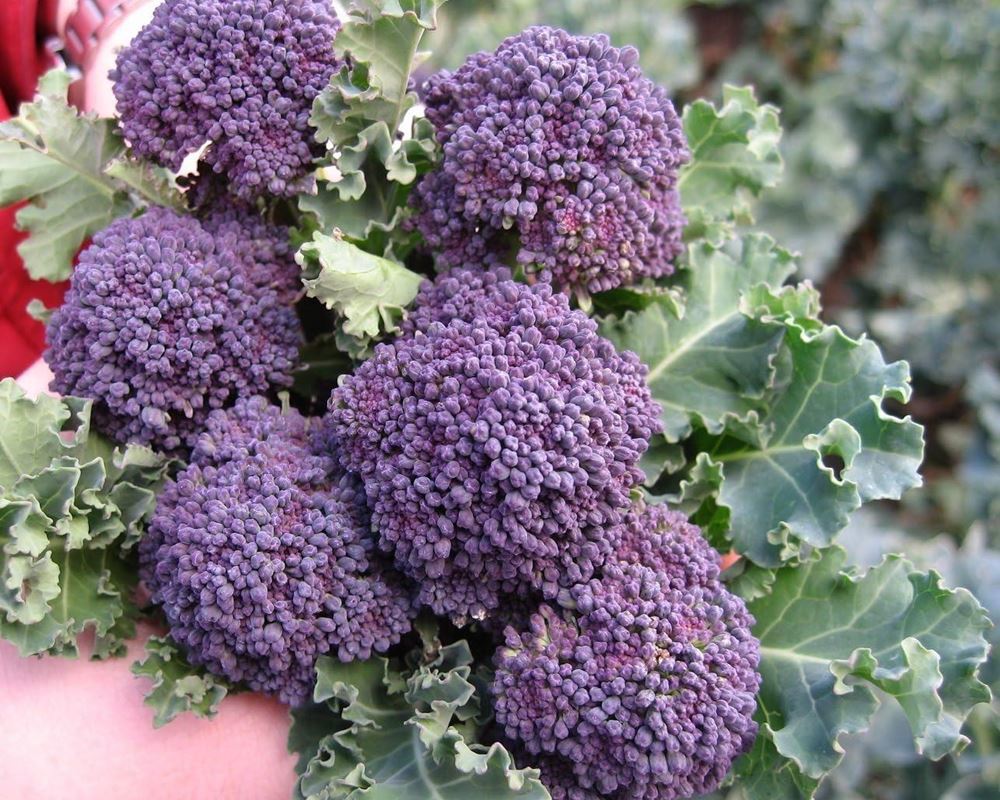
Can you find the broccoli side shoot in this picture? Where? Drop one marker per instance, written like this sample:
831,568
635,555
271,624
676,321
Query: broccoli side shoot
261,555
238,75
558,152
643,684
497,449
168,317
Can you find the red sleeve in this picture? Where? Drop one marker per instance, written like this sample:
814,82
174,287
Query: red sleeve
22,59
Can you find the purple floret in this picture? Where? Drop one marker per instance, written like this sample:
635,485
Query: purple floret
662,539
495,451
462,293
641,687
238,75
168,317
261,554
558,151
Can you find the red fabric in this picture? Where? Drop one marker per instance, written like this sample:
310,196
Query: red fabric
22,59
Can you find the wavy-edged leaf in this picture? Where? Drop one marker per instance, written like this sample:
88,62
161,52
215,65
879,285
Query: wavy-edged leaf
394,734
150,181
80,594
713,363
734,157
773,485
368,291
378,139
56,158
385,35
70,504
177,686
828,638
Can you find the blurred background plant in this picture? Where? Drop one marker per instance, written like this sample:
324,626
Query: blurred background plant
891,194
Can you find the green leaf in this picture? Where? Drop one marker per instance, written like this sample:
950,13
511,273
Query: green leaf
734,155
714,363
29,436
829,638
384,35
85,597
70,505
392,735
379,141
772,484
56,159
177,686
765,775
148,180
368,291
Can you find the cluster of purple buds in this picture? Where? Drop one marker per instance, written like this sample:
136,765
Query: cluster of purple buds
642,681
557,153
498,448
239,76
261,556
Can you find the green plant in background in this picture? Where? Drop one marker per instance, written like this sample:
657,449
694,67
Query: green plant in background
660,30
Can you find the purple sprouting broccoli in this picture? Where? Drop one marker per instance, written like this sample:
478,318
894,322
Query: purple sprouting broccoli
261,555
237,75
658,537
654,536
169,317
558,152
497,449
461,293
639,685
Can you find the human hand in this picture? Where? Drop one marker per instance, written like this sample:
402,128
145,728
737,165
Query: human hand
96,94
79,728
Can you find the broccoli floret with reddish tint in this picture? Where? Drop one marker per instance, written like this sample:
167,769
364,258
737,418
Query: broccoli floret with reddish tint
558,153
640,682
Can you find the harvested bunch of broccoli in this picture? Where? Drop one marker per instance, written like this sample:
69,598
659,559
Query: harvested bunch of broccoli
169,317
238,76
644,683
498,449
260,555
444,533
558,151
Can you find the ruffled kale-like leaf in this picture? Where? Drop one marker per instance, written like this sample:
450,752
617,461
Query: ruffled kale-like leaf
396,733
713,363
828,638
385,35
70,506
820,446
177,685
368,291
734,157
57,159
366,114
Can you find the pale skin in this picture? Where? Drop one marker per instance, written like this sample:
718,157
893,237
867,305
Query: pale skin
79,728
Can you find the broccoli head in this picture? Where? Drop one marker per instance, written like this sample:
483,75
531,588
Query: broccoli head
168,317
261,554
238,75
496,449
556,150
637,685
